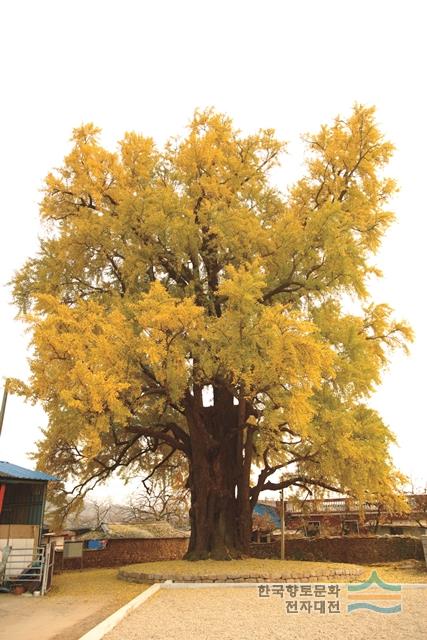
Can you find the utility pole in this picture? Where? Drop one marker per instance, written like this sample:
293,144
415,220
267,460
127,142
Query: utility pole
282,518
3,406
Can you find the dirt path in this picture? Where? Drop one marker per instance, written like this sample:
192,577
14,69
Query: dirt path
64,618
240,614
76,603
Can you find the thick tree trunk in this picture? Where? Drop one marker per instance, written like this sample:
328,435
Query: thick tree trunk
220,513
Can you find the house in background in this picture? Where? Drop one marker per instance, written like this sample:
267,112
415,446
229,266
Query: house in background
119,543
130,530
22,503
342,516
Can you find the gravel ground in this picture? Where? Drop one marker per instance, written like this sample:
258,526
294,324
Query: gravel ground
240,614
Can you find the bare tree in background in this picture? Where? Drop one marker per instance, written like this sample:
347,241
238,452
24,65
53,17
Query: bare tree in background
91,514
163,496
98,511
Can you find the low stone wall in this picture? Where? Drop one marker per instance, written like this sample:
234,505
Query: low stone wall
119,552
352,549
312,575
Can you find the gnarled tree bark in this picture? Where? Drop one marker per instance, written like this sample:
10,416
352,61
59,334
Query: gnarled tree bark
220,512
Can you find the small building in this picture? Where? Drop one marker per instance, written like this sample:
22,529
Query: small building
62,536
22,503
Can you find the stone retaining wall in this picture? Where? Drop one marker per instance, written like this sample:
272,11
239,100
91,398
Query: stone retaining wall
352,549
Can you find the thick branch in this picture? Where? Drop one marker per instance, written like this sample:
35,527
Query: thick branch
289,482
161,434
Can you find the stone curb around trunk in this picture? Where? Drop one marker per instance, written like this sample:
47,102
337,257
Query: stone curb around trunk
155,578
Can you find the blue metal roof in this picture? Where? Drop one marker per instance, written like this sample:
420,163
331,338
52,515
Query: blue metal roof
267,510
8,470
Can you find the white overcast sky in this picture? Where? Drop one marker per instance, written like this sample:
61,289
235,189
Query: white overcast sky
146,66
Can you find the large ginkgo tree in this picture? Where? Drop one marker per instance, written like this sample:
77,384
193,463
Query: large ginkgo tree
186,311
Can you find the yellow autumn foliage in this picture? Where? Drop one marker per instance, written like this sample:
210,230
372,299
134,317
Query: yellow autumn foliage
162,273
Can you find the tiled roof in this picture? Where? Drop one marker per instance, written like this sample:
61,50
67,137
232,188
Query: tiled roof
130,530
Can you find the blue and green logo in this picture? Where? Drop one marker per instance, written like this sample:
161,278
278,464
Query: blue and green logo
374,595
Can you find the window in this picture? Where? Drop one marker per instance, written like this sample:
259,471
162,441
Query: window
396,531
350,527
313,528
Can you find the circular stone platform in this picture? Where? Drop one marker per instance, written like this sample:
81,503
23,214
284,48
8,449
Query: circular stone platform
311,575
